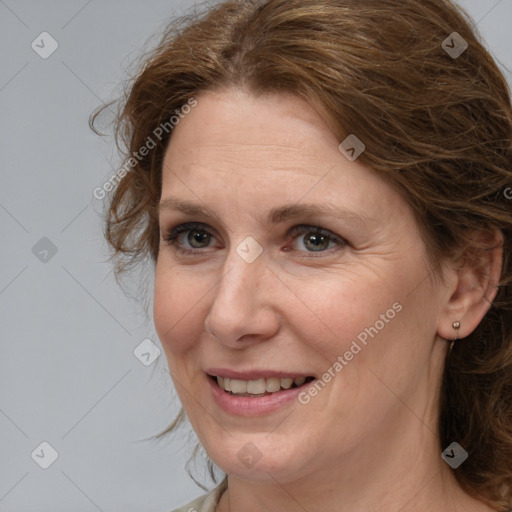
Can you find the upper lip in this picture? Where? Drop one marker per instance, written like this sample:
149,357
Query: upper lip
254,374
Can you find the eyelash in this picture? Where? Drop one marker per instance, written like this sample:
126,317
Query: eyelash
171,237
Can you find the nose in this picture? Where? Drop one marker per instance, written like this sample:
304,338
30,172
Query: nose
243,308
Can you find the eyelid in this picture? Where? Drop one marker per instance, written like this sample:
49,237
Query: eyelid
309,228
172,233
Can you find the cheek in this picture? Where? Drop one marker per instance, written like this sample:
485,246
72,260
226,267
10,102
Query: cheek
329,315
360,333
372,322
176,309
378,333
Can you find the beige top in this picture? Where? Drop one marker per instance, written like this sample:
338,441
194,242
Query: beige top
206,503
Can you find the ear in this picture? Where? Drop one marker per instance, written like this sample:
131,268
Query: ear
472,285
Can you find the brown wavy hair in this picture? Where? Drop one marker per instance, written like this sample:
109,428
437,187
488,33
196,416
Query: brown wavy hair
437,127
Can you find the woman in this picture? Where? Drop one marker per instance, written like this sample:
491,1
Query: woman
320,186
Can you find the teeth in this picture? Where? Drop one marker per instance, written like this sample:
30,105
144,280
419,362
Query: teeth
286,383
238,386
258,386
273,384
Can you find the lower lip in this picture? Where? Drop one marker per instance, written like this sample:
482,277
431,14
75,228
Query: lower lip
247,406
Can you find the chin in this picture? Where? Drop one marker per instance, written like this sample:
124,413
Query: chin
255,458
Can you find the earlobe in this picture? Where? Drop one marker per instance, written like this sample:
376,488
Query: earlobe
473,286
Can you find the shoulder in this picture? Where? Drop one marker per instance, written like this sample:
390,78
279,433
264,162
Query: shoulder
207,502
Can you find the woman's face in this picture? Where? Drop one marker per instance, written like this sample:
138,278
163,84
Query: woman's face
291,261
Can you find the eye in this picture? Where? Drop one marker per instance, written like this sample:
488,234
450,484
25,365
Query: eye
189,238
315,239
192,238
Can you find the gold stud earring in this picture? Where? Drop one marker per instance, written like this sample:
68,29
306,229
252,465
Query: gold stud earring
456,325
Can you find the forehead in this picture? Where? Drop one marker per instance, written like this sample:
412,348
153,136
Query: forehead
263,151
234,126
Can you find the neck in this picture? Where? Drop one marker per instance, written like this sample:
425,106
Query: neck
405,473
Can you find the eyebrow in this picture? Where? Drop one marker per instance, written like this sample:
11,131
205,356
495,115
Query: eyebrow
274,216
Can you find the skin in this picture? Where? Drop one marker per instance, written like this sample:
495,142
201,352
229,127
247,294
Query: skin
368,441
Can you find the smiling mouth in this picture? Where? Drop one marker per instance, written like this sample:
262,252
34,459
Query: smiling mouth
259,387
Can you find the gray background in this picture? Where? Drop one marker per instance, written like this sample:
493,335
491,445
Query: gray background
68,374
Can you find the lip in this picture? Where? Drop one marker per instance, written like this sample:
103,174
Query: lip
254,374
249,406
